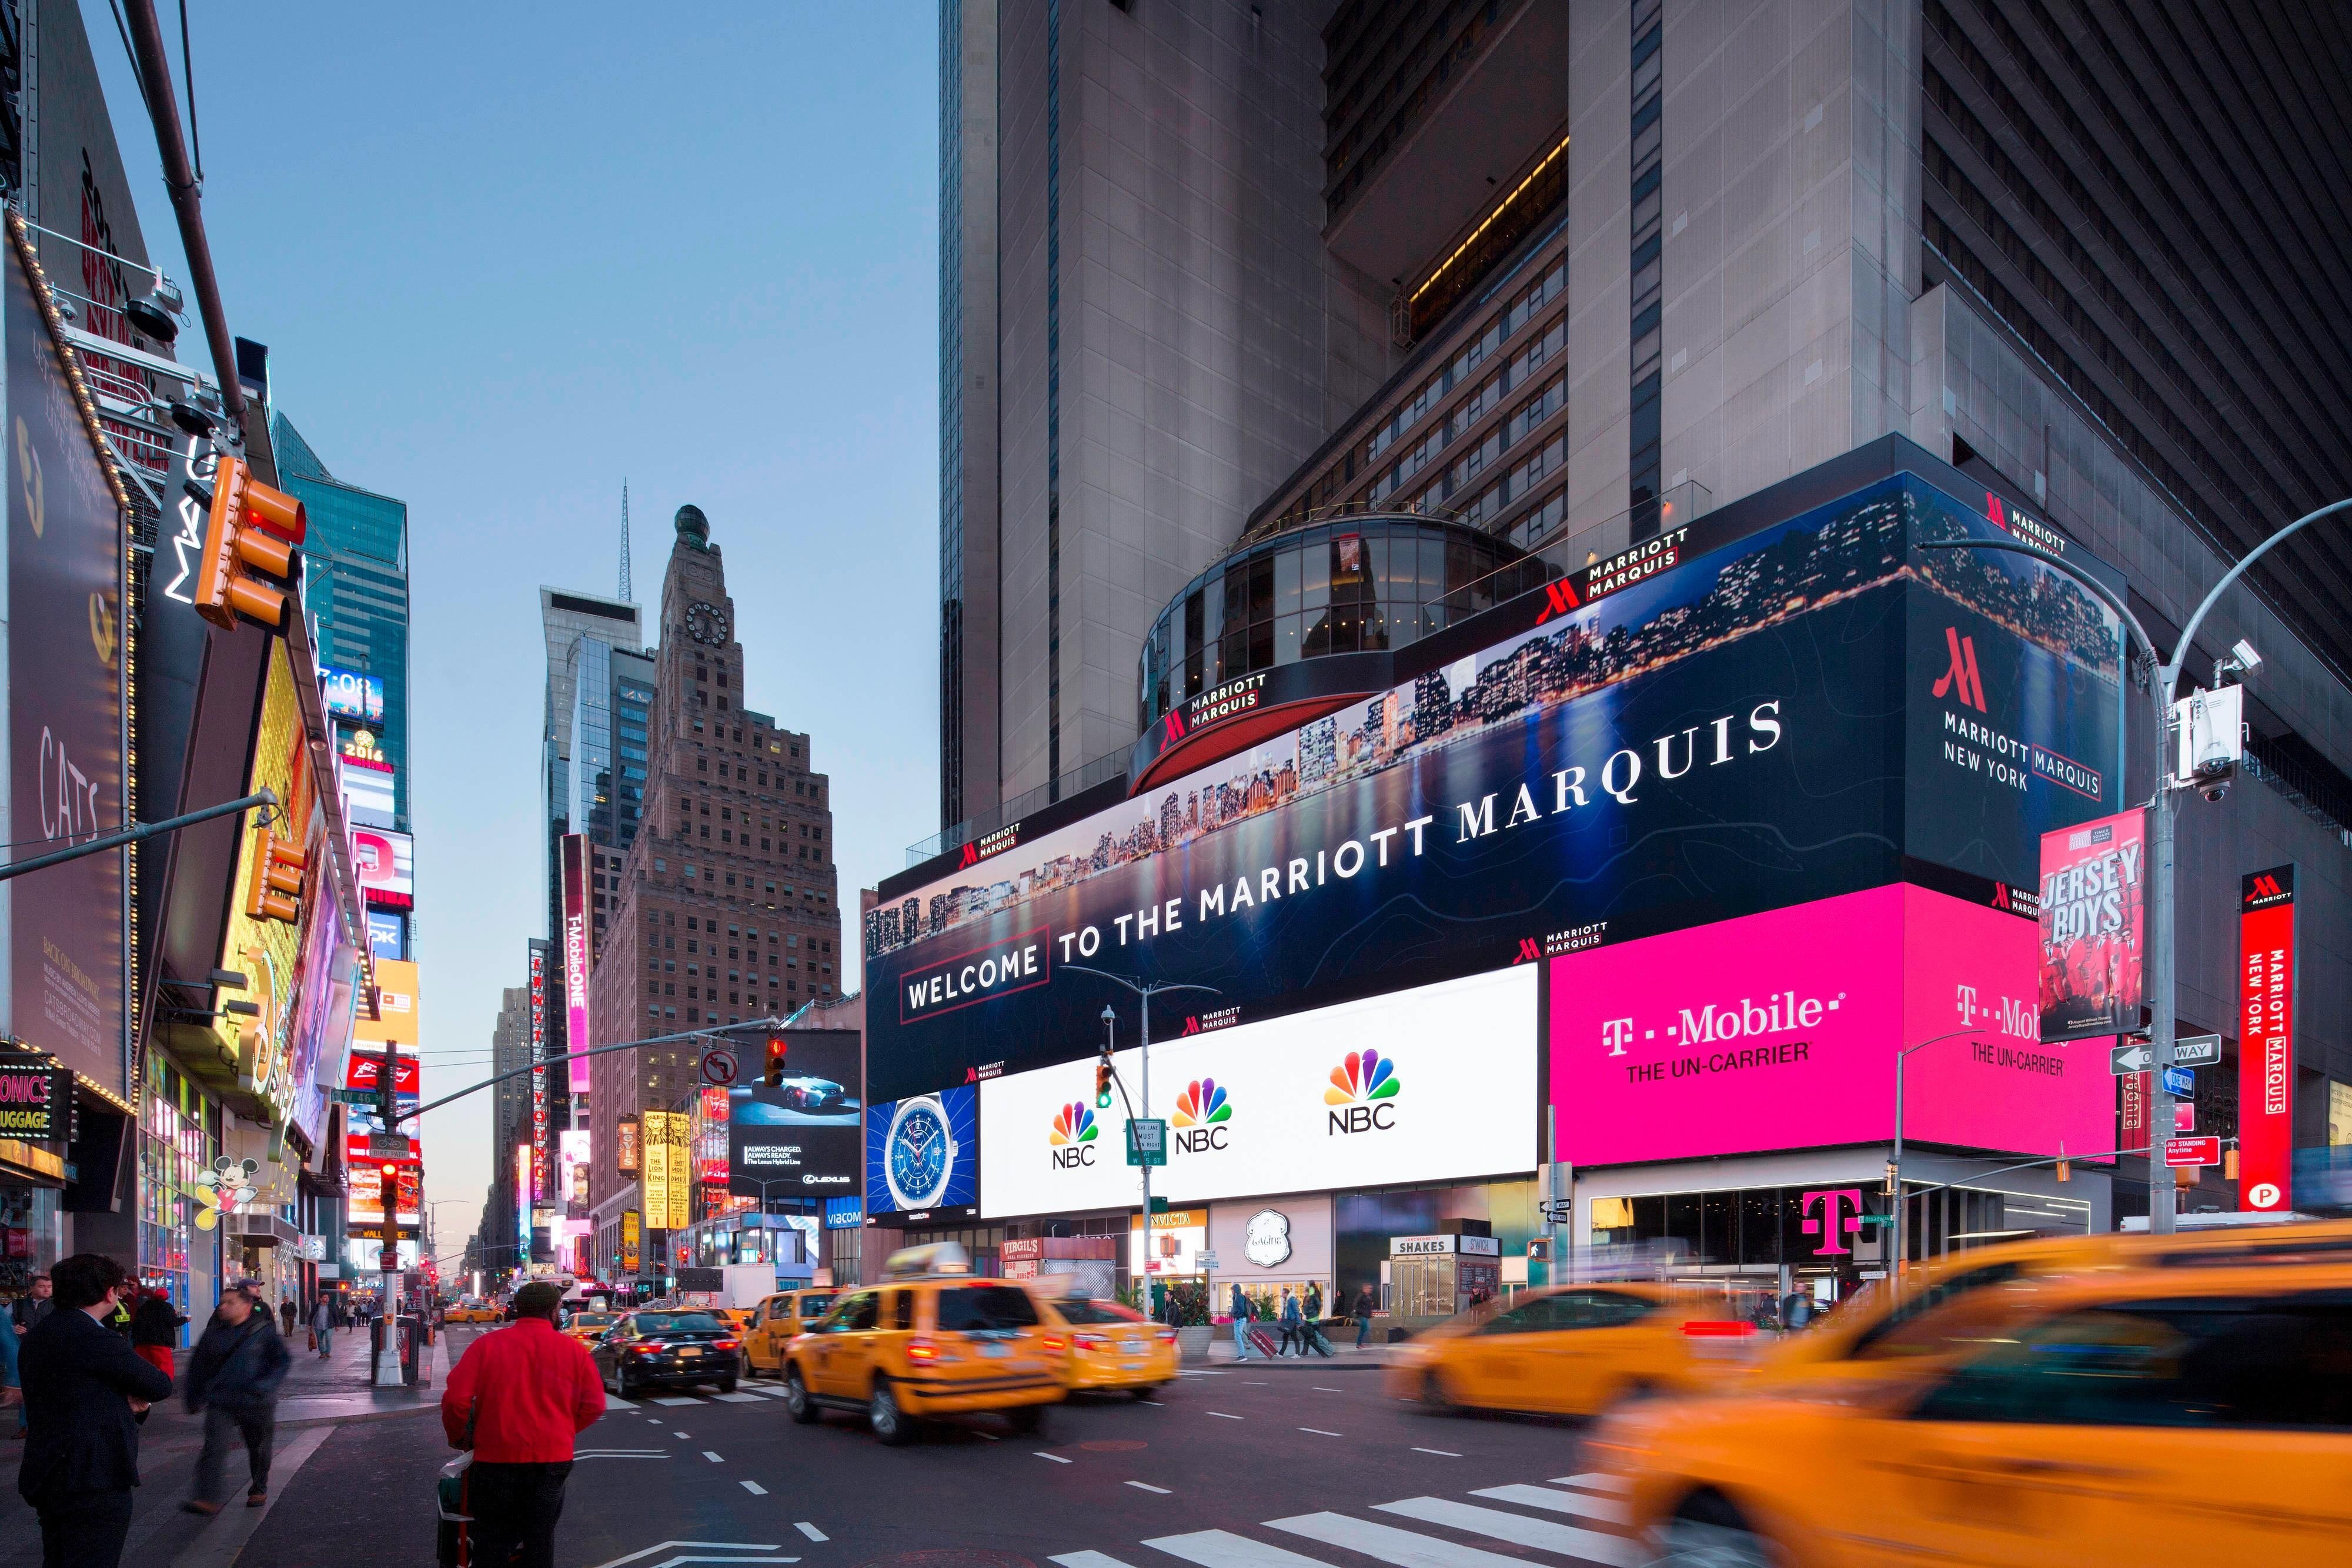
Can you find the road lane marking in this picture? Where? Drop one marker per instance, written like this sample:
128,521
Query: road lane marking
1056,1457
811,1530
220,1547
1441,1453
1595,1480
990,1435
1222,1417
614,1402
1321,1433
1087,1560
678,1434
755,1488
679,1399
1320,1389
738,1398
1145,1486
1606,1509
1568,1540
1224,1549
711,1545
1390,1544
714,1458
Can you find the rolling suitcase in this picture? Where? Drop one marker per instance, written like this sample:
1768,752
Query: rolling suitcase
1261,1342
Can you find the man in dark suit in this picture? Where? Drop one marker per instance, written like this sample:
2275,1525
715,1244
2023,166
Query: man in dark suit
84,1391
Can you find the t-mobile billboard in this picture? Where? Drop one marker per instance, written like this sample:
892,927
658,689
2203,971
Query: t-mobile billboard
1779,1031
1751,730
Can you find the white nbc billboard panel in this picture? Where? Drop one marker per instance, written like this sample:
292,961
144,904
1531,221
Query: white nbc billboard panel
1433,1084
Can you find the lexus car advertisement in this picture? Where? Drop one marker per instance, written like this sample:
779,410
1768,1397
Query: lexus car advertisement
1812,709
799,1136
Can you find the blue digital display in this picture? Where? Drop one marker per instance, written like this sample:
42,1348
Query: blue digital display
922,1154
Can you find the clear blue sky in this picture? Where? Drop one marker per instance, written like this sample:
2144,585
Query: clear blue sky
505,255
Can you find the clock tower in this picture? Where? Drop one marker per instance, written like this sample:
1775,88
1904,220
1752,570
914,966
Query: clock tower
725,909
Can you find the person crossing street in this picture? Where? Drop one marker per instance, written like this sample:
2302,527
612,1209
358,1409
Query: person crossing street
233,1378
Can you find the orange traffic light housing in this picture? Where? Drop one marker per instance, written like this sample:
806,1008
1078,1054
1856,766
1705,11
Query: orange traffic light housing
1102,1081
252,529
278,868
775,1075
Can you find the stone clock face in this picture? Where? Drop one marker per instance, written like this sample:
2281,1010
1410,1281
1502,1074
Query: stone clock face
706,624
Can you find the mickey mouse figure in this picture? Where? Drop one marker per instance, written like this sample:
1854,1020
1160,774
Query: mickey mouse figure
224,1187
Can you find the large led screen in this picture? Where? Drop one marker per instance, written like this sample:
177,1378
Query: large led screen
1431,1084
801,1135
1756,728
1779,1031
923,1154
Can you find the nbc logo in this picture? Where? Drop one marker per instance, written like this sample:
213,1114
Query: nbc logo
1362,1094
1202,1111
1071,1139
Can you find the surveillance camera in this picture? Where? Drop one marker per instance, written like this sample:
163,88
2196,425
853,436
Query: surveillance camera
2215,790
2247,659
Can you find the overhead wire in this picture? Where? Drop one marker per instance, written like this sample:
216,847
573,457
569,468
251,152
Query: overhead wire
188,74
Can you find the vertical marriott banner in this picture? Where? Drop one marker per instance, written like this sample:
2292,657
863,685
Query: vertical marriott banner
65,708
578,956
2093,912
2266,1037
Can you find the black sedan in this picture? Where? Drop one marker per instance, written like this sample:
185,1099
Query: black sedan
669,1349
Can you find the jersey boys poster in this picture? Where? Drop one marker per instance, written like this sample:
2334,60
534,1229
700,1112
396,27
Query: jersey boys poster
2093,913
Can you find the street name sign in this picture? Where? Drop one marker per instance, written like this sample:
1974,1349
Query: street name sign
2204,1151
1147,1142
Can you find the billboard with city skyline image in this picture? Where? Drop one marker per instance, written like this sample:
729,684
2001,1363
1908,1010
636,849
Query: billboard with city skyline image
1740,733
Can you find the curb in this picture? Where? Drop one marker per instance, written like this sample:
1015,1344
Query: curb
357,1417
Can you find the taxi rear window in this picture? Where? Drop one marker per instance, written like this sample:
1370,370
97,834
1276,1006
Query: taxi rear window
678,1322
1090,1312
811,1306
979,1308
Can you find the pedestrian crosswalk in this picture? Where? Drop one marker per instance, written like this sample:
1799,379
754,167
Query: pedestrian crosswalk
1416,1532
747,1394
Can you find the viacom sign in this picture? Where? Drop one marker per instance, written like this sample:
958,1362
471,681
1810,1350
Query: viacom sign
1432,1084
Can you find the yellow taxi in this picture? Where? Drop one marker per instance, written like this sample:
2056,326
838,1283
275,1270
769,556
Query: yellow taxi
776,1323
1570,1350
2195,1412
471,1312
588,1327
933,1340
1109,1347
1881,1328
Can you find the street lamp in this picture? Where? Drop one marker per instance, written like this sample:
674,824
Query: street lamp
1897,1251
1146,991
2161,1197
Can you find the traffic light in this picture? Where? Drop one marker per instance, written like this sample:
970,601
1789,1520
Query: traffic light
278,868
1102,1081
775,1070
391,1196
252,529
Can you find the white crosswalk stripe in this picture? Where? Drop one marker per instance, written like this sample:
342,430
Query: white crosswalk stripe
736,1398
1520,1515
1595,1481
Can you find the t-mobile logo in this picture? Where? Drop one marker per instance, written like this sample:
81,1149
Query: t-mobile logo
1830,1215
1615,1033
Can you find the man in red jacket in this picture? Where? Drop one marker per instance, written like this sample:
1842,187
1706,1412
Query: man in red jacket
517,1397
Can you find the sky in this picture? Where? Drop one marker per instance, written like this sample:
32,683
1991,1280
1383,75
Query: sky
505,257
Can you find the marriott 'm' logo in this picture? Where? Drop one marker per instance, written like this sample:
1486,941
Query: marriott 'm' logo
1174,729
1559,599
1960,680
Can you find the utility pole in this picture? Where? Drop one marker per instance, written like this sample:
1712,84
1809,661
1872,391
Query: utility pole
2162,1198
1145,991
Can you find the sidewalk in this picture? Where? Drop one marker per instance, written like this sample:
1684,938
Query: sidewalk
319,1392
1344,1357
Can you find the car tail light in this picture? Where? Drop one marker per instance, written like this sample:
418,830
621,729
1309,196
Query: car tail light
649,1349
1054,1342
728,1344
1710,1328
1089,1341
1167,1334
922,1350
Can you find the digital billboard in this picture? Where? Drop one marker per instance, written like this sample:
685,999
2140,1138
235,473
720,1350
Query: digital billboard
1438,1083
399,1018
387,932
384,862
655,1183
1751,729
368,790
579,955
1780,1031
2093,895
801,1136
65,638
571,1173
923,1154
351,695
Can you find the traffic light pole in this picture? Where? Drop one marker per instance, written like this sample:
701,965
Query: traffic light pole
2162,805
144,830
497,1078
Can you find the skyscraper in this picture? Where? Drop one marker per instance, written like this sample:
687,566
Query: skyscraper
724,907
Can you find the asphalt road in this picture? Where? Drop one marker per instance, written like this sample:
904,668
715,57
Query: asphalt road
1246,1467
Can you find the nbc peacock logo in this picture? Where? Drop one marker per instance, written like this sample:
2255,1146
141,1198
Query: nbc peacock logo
1072,1137
1362,1095
1204,1113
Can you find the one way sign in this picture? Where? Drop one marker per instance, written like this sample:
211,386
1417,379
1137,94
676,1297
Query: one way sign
2136,1057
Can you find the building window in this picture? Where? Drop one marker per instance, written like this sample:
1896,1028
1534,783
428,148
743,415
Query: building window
1648,173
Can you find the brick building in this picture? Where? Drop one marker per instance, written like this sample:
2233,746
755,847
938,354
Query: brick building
723,909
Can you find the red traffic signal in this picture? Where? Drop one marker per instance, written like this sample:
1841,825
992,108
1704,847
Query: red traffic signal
774,1075
278,868
252,529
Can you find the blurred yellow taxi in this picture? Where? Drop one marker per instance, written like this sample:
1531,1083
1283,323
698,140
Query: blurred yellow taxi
933,1341
2196,1412
1882,1327
590,1327
472,1312
1108,1347
776,1323
1570,1350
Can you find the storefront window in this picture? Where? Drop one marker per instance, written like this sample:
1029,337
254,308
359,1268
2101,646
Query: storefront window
179,1136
